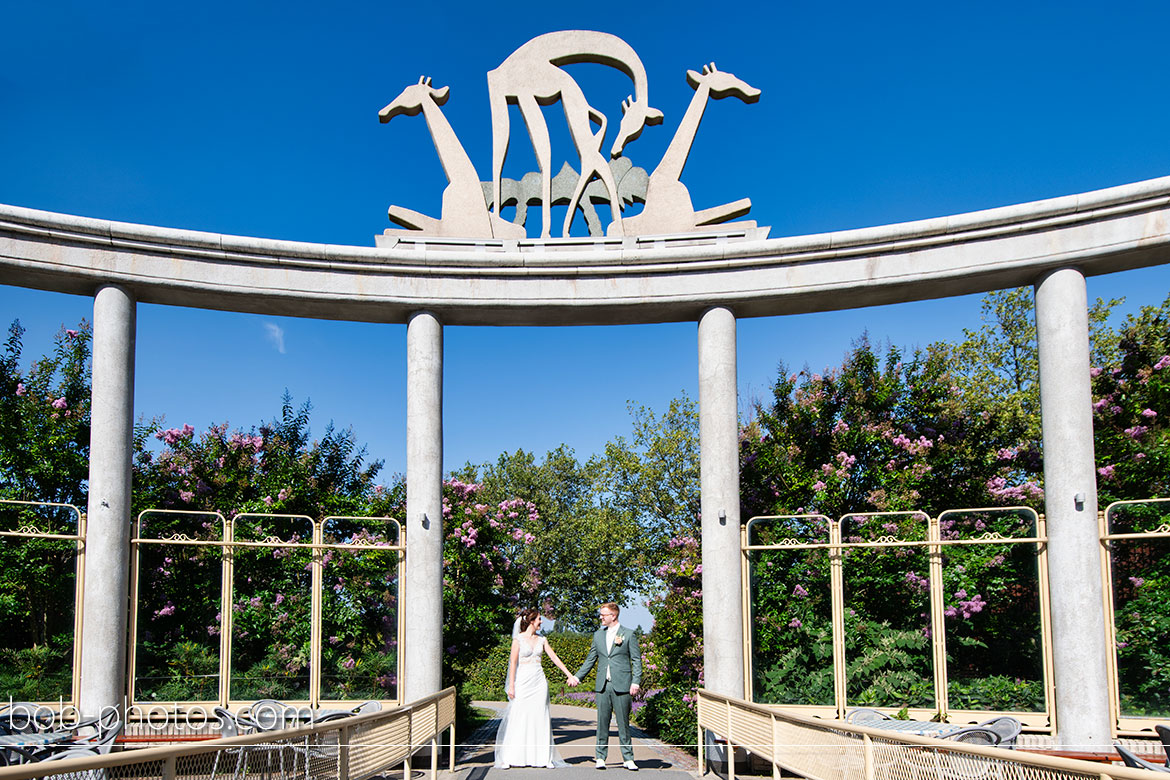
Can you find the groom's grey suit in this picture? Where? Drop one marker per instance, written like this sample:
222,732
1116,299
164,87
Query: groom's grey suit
622,665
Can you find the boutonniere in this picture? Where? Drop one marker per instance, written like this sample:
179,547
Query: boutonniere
617,640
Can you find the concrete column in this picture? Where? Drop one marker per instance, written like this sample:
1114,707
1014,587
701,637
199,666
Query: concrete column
424,506
1070,506
719,483
107,544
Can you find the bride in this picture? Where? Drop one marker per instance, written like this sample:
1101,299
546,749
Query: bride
524,737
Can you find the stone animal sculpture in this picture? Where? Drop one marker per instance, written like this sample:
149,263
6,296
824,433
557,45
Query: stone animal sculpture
668,206
532,77
464,212
631,186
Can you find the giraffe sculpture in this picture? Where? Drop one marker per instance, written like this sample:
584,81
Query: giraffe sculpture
532,77
464,213
668,207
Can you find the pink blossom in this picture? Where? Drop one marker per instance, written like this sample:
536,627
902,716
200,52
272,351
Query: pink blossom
1095,372
1162,362
1137,581
818,486
186,495
20,388
267,500
349,663
795,623
283,494
1149,414
1106,472
840,427
59,403
1136,432
799,591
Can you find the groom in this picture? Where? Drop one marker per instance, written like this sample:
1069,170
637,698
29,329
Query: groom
619,672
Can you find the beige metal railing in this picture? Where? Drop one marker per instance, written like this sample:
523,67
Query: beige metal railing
352,748
835,750
932,542
42,528
229,541
1154,540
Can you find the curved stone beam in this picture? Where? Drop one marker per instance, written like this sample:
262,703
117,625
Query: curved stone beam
591,280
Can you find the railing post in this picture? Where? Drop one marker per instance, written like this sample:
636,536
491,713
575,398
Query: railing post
867,744
343,754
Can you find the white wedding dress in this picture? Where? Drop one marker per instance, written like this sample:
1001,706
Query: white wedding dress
524,737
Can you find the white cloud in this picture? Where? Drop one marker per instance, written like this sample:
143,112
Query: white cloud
275,334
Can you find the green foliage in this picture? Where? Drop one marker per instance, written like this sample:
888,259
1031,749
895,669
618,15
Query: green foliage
670,715
39,673
997,692
485,679
586,553
44,419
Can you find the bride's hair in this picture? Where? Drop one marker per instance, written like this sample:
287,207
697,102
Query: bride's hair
527,618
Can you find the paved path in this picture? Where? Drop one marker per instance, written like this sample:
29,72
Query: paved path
573,730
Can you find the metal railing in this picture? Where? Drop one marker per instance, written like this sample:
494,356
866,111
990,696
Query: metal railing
835,750
352,748
931,539
226,538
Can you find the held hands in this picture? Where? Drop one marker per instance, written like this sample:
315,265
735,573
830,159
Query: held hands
634,689
573,681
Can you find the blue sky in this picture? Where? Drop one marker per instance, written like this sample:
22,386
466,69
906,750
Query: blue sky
261,119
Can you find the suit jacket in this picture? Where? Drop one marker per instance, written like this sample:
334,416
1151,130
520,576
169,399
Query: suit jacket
623,662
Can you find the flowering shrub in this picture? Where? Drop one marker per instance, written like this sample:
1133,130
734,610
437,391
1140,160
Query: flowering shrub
44,456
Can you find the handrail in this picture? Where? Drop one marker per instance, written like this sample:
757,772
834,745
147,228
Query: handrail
815,748
351,731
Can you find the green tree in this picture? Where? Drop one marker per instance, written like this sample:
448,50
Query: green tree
44,456
587,553
44,419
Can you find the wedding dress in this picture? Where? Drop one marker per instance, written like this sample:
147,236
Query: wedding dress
524,737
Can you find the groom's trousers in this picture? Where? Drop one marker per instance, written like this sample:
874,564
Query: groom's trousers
610,703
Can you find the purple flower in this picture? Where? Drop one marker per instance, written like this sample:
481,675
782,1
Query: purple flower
186,495
1136,432
20,388
799,591
795,623
349,663
267,500
818,486
1106,472
1137,581
59,403
1162,362
1149,414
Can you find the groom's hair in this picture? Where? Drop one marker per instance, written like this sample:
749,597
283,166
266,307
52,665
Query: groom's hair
614,608
527,618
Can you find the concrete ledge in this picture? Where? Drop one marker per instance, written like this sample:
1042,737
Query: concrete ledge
593,281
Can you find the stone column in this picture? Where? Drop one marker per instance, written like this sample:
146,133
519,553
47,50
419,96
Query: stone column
424,507
107,544
1070,507
719,483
